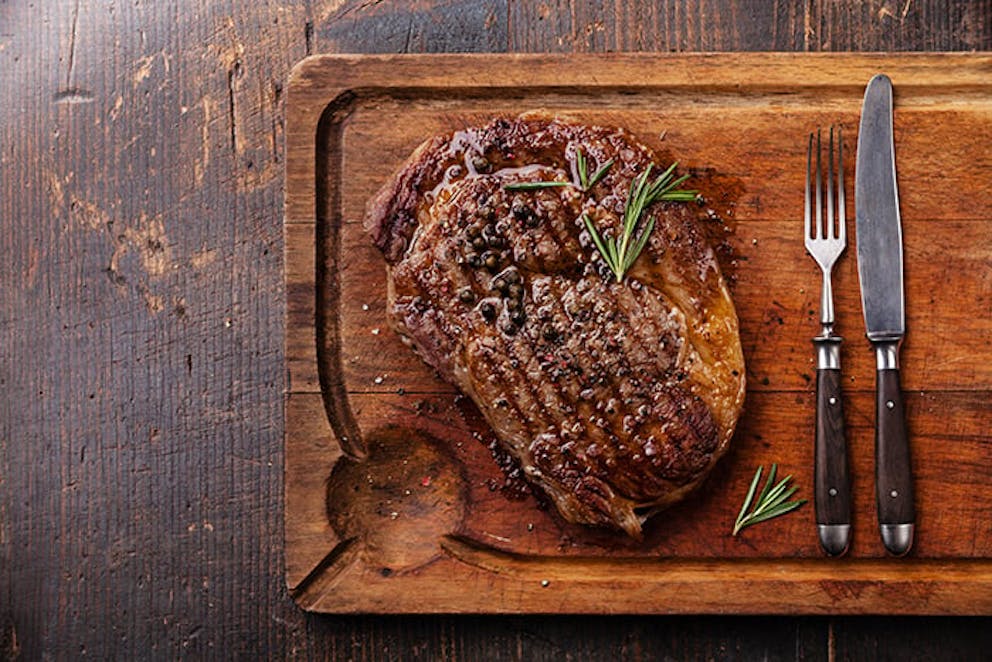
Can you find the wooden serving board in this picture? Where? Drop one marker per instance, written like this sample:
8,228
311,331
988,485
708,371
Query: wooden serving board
393,501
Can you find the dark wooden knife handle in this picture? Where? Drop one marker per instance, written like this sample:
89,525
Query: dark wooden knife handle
832,478
893,469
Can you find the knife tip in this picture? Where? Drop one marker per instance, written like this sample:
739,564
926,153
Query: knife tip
880,79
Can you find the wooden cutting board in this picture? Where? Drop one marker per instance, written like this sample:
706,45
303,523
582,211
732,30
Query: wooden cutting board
393,500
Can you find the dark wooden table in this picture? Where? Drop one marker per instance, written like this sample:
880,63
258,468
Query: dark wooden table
141,318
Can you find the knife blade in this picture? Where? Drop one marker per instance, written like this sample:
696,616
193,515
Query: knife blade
880,272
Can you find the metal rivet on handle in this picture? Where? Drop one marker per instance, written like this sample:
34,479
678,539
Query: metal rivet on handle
832,491
890,404
833,401
894,493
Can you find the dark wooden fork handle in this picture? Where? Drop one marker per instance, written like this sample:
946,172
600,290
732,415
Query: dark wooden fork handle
832,489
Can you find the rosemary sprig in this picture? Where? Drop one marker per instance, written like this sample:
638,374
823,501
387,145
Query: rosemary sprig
620,252
584,180
531,186
772,501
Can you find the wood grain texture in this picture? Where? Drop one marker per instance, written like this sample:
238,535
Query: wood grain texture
379,397
121,428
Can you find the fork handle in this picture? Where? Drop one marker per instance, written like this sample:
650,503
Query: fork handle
832,489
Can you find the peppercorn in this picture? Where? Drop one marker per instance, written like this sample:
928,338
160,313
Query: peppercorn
466,295
515,290
488,310
478,243
480,164
491,260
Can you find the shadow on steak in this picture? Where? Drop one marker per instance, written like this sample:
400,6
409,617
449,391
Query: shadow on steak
616,398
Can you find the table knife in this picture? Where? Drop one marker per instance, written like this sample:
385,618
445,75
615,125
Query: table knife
880,271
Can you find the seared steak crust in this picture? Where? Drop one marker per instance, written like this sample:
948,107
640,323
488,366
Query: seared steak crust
616,398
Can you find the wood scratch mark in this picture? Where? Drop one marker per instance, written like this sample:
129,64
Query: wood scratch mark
231,108
115,110
200,166
905,8
72,43
55,194
353,9
409,36
29,277
73,95
144,69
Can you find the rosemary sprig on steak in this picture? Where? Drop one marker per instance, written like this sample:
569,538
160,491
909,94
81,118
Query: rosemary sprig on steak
532,186
620,252
580,165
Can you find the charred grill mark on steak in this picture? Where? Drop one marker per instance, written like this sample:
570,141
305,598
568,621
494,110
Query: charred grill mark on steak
615,398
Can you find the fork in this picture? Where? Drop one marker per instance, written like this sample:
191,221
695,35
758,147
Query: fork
825,241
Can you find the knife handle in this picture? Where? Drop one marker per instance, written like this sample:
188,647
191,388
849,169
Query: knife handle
893,469
832,487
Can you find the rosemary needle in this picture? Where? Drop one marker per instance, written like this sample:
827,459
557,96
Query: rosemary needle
530,186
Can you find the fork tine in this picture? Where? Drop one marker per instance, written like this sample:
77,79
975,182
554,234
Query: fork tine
818,233
830,232
841,217
808,215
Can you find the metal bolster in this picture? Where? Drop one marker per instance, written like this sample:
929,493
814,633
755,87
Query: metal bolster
827,352
887,354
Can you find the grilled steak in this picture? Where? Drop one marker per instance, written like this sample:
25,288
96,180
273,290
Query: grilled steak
616,398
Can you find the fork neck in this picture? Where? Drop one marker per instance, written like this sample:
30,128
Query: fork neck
827,304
